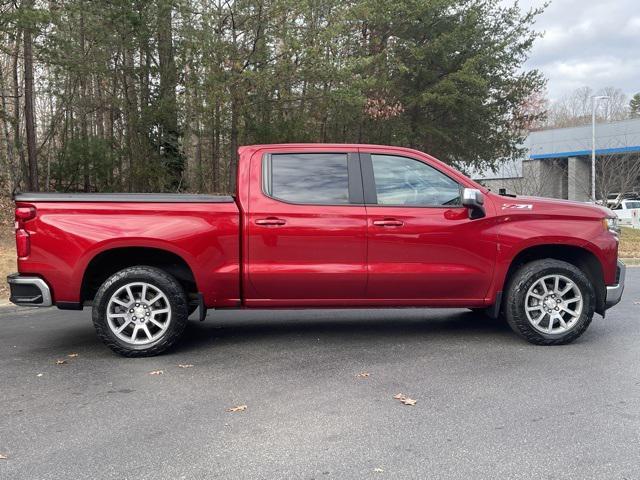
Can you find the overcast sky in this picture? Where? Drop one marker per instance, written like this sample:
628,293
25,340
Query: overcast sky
588,42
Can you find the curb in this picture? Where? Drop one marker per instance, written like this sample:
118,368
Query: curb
11,308
631,262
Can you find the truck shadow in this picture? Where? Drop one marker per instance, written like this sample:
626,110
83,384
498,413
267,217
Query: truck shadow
228,328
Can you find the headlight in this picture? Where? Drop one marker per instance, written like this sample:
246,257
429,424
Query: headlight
611,224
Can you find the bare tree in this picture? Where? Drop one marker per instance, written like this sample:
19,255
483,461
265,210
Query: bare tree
534,111
575,108
9,168
614,174
617,105
535,177
617,174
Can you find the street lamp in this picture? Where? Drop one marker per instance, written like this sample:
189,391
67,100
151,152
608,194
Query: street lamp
594,101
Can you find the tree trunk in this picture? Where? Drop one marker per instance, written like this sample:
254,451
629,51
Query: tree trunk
199,170
131,112
83,110
29,113
216,149
168,110
10,169
233,145
117,181
17,141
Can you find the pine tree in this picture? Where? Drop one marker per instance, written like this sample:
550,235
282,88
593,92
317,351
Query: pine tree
634,105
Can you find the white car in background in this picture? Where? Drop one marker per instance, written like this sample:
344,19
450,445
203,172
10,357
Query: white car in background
628,213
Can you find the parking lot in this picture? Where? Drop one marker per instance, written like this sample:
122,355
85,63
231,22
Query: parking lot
488,405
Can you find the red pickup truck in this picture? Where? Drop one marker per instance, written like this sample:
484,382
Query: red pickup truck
317,225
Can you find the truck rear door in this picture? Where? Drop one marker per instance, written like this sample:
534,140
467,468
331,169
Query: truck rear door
306,229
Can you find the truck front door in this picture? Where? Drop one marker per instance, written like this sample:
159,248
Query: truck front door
423,247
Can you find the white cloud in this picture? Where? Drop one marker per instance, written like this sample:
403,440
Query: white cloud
587,42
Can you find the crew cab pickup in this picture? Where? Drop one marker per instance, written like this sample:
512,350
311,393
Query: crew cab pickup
317,226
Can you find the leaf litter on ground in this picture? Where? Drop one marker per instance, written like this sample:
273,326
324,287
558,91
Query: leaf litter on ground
404,399
239,408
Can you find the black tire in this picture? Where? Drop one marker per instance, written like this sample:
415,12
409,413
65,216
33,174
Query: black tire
168,285
524,278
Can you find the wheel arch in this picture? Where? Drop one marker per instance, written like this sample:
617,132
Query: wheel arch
107,262
578,256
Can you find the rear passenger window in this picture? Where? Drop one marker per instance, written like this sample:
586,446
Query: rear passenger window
311,178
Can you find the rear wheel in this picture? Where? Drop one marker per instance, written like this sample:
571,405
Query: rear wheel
140,311
550,302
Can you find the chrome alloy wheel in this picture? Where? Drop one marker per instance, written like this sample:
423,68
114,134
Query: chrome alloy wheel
138,313
553,304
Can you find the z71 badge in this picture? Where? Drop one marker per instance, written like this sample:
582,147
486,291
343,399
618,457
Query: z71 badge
517,206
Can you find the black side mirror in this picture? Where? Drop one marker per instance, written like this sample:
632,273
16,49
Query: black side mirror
473,199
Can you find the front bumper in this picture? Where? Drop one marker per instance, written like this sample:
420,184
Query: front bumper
29,291
614,292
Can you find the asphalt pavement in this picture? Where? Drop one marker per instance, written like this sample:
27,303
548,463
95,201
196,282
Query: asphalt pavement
488,405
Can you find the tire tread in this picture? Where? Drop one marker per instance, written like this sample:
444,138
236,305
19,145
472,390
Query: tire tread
174,292
517,319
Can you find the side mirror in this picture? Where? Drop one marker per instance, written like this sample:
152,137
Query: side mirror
473,199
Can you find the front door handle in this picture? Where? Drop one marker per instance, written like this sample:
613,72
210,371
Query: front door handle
270,221
388,222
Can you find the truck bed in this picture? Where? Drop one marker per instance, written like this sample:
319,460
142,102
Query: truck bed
72,231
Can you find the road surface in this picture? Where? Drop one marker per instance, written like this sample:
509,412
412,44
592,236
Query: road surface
488,405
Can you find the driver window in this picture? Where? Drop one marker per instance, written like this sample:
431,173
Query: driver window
406,182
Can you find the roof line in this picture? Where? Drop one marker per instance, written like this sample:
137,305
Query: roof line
581,153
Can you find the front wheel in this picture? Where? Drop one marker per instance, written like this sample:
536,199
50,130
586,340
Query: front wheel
140,311
550,302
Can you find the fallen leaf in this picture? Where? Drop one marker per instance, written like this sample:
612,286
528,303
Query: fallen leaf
61,362
239,408
72,355
404,399
636,303
378,470
3,457
363,375
156,372
185,365
39,375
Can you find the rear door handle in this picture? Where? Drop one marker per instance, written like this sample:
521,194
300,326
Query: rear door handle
388,222
270,221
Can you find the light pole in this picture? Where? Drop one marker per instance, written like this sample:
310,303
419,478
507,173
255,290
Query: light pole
594,101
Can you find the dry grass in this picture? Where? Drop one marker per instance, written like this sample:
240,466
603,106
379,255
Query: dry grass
630,243
7,264
7,246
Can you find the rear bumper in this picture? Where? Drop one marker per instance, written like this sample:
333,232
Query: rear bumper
614,292
29,291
